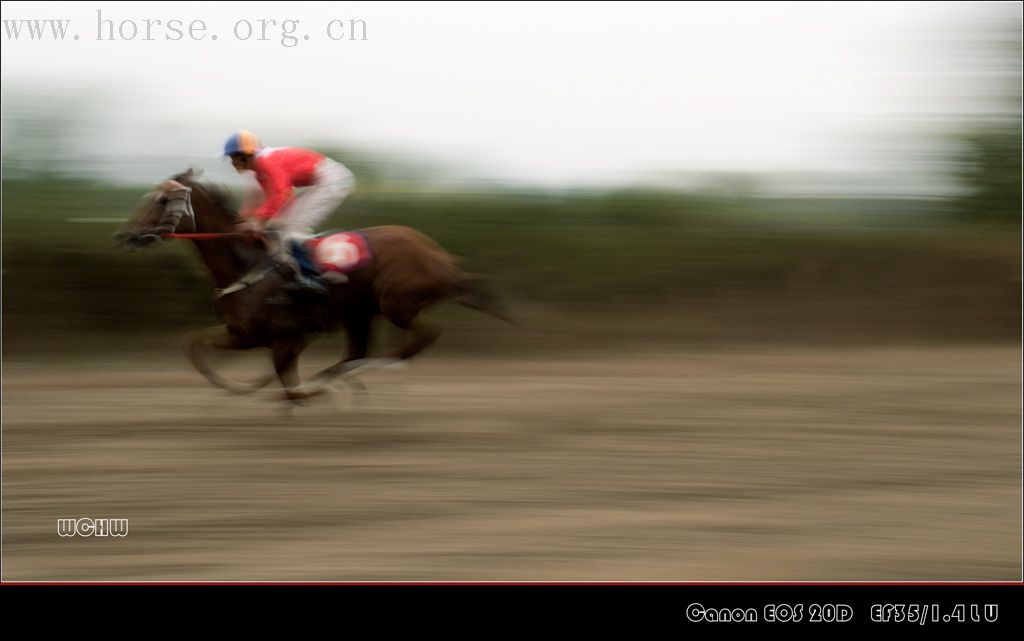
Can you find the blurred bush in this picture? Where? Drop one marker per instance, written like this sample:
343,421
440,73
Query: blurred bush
620,266
990,169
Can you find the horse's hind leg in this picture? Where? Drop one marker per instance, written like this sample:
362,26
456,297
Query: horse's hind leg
358,328
421,336
421,333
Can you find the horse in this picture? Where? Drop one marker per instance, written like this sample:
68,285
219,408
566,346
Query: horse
408,272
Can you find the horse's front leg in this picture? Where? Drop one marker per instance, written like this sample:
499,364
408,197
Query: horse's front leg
197,343
286,364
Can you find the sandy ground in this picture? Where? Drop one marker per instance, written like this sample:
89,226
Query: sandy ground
842,464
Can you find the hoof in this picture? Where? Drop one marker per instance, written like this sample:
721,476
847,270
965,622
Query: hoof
300,396
295,398
393,363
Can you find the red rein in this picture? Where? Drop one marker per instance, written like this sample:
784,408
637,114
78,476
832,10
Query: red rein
202,236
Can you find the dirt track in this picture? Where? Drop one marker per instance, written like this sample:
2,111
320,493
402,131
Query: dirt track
802,464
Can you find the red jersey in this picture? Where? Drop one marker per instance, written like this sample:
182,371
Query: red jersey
279,170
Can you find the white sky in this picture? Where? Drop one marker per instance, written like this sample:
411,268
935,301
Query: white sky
593,93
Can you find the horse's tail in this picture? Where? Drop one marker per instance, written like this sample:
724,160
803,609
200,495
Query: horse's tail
475,292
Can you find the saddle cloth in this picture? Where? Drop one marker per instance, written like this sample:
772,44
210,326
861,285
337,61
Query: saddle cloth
342,252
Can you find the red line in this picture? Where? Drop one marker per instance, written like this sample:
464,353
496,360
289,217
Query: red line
202,236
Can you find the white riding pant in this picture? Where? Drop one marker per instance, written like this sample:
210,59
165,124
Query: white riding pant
332,183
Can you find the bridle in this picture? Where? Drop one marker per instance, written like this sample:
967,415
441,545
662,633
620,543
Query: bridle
179,205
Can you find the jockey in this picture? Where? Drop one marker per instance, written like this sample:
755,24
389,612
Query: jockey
286,219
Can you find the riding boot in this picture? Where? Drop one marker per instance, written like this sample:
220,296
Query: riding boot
300,281
304,282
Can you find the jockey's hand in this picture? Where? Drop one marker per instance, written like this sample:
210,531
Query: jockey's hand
135,240
250,230
149,237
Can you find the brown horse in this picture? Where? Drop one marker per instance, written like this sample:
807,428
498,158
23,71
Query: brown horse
409,272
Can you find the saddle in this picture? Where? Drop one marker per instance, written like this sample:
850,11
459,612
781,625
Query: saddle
332,252
319,257
327,258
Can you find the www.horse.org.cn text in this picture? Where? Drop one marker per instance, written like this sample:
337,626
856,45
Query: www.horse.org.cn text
287,32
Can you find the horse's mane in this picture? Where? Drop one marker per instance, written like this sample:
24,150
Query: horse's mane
218,194
224,204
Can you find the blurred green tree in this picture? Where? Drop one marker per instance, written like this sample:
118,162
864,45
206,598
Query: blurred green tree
990,169
989,165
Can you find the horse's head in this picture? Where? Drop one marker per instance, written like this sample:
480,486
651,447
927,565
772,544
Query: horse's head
181,204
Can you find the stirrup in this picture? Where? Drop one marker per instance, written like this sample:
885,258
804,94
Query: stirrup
302,282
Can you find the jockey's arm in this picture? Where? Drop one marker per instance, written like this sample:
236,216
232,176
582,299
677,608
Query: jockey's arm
252,199
277,190
248,225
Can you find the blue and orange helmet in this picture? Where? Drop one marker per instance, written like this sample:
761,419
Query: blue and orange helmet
242,142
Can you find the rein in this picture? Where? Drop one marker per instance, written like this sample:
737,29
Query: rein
179,204
247,280
210,236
